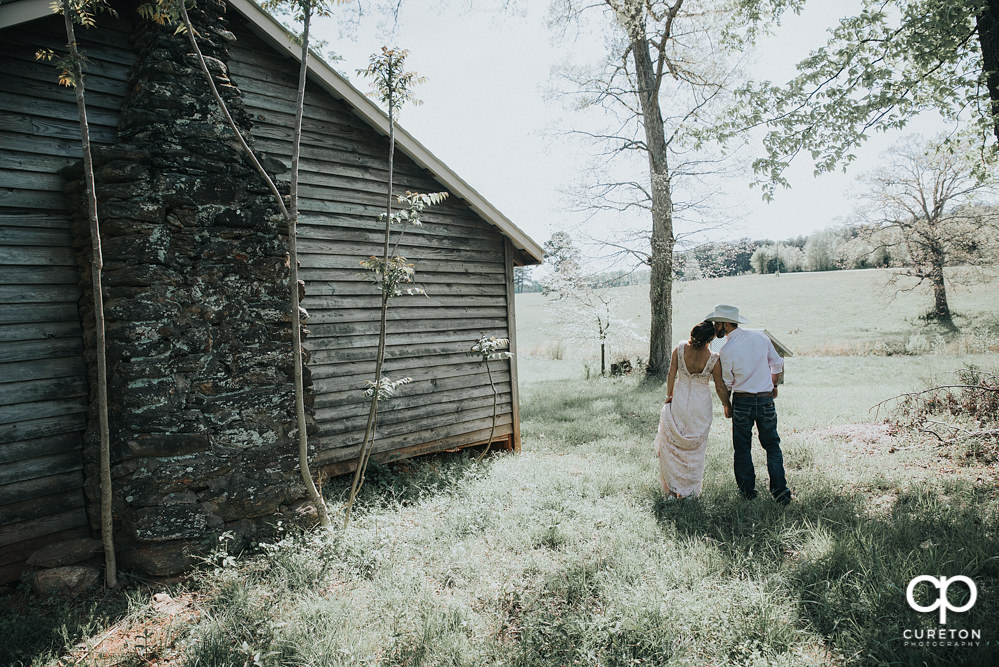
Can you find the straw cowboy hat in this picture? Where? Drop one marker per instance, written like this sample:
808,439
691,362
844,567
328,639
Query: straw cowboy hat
723,313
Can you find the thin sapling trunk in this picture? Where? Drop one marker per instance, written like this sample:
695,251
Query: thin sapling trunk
96,267
369,430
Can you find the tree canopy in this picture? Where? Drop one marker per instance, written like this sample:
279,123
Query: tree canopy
880,67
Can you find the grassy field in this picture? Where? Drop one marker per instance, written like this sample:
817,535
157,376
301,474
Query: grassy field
569,554
830,313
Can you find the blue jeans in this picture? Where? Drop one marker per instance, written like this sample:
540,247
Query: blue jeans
759,410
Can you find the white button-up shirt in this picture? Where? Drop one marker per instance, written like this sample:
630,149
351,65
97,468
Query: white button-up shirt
748,361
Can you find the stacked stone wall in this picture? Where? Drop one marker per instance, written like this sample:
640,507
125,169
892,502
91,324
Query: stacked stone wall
196,283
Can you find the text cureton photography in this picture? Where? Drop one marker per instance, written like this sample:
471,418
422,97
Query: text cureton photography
942,636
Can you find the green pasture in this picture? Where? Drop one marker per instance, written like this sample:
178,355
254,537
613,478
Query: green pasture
569,554
825,313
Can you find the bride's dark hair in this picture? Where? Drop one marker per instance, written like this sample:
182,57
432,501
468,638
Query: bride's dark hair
702,334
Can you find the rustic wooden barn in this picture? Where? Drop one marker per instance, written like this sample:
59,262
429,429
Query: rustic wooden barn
465,254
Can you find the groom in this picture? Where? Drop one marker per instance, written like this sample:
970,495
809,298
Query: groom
750,367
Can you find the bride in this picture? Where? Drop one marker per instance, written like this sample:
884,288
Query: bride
686,418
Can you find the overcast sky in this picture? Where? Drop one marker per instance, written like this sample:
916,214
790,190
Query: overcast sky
484,113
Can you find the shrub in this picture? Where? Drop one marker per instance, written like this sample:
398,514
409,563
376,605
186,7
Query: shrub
971,405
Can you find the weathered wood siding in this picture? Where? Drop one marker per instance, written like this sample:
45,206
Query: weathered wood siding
460,260
43,383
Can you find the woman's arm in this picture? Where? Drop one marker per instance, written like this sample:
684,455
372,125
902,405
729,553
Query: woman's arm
721,389
671,377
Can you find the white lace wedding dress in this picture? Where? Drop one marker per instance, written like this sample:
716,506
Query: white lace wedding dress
683,429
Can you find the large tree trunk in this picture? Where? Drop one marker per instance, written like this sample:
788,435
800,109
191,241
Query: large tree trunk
988,38
941,310
661,259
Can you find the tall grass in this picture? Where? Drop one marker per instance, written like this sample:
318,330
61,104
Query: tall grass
569,554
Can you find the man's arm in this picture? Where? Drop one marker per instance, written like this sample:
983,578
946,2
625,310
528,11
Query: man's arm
776,363
723,393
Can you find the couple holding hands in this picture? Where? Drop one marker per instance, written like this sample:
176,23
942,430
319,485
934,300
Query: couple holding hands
745,374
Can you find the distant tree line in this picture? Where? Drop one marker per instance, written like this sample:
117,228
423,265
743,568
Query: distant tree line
854,247
836,249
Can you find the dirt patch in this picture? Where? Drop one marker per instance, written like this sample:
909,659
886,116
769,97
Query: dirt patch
868,436
149,639
905,453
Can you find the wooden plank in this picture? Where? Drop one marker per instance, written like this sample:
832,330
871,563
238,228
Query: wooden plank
37,256
34,219
46,87
33,391
512,329
26,313
367,354
319,288
396,426
400,366
20,129
346,404
65,111
35,236
452,218
41,369
54,523
21,136
29,293
355,274
39,331
110,43
33,162
427,405
361,230
14,415
431,373
26,449
425,302
437,445
40,468
34,199
346,330
462,338
320,261
37,487
338,392
64,276
368,210
402,313
51,348
23,180
40,428
39,508
415,253
105,71
275,139
335,448
442,235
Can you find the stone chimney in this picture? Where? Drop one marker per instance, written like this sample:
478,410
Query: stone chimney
196,285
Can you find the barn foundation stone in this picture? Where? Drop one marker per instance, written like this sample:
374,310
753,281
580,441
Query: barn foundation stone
196,280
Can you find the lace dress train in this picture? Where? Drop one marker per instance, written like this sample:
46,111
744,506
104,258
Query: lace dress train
684,424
